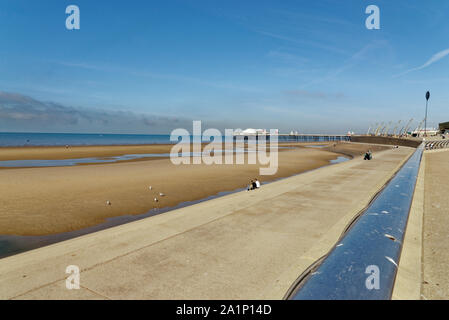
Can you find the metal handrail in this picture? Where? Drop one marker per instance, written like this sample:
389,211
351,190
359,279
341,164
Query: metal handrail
363,264
438,144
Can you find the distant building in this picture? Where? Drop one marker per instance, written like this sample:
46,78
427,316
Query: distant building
250,132
444,127
428,132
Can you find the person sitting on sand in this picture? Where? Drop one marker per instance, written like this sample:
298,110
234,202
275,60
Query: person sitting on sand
257,184
368,155
250,186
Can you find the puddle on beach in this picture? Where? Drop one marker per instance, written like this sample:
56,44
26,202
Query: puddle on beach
318,146
12,244
339,160
74,162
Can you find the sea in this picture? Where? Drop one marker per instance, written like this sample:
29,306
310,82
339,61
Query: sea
21,139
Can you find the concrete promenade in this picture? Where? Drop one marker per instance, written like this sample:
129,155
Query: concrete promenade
247,245
435,282
423,268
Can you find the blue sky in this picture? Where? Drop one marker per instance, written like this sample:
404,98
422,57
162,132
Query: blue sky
152,66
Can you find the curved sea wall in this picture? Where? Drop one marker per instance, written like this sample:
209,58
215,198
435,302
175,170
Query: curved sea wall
414,143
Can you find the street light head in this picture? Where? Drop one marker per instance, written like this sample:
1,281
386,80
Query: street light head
425,119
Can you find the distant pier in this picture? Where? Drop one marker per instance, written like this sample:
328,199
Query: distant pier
300,137
314,137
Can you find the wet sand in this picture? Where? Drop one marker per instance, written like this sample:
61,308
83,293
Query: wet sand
78,152
41,201
75,152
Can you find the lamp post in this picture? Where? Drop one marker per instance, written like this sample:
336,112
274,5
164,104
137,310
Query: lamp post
425,119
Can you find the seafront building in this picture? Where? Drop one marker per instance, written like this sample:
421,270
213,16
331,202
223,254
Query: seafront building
444,127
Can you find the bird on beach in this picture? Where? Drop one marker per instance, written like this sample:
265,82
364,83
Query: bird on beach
150,187
156,200
161,194
108,203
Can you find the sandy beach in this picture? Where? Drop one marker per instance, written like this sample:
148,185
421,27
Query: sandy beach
40,201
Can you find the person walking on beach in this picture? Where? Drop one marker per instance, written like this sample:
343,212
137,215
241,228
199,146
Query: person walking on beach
257,184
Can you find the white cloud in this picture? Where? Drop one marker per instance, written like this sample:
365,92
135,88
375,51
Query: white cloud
436,57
